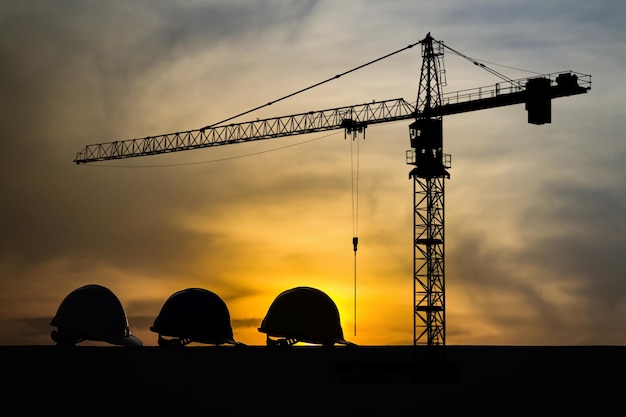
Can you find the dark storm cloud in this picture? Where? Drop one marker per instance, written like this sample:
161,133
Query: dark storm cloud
75,73
605,12
520,18
51,47
507,32
586,240
27,331
574,244
501,297
85,72
55,52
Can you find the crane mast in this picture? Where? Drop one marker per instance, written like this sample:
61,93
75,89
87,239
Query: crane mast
426,138
430,164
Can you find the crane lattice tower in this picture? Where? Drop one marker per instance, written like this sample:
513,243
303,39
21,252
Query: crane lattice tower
431,164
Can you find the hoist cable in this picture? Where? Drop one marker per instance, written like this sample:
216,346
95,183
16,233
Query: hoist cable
312,86
480,64
508,66
355,209
355,293
355,189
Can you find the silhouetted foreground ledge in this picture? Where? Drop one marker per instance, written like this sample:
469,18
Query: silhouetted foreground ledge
311,380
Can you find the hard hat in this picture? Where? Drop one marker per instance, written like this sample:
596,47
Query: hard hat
303,314
194,315
92,312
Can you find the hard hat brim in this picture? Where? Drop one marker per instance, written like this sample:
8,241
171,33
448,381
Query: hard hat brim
125,341
299,338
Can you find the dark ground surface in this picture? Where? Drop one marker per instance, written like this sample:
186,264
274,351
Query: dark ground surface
308,380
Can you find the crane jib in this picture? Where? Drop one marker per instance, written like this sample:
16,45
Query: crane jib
348,117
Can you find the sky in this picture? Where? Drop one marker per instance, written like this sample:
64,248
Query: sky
535,233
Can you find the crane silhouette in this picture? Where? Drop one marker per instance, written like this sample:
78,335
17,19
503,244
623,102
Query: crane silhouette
430,163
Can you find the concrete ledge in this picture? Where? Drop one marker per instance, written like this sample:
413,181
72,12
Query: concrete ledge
366,380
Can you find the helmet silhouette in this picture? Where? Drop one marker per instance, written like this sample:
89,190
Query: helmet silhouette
303,314
92,312
194,315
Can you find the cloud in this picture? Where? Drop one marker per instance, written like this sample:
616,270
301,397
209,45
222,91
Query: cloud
533,213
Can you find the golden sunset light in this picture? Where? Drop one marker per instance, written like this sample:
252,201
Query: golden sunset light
534,230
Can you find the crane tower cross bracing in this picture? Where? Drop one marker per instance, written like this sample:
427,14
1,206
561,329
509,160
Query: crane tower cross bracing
430,164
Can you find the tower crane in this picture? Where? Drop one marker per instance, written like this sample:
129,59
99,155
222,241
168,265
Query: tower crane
430,164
